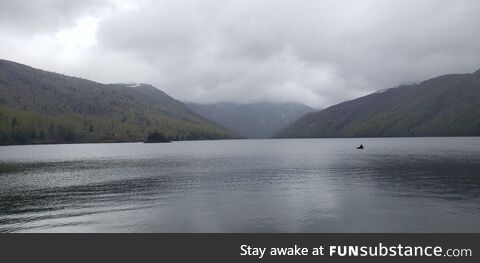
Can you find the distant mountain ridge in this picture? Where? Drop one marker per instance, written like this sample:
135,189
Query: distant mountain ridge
37,106
253,120
448,105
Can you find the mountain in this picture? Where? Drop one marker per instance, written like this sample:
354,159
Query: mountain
255,120
37,106
444,106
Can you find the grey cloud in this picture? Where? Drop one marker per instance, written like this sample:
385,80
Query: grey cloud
32,16
310,51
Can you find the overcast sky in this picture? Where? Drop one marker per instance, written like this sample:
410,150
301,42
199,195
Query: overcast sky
310,51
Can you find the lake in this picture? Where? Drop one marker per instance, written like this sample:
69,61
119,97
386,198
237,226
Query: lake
291,185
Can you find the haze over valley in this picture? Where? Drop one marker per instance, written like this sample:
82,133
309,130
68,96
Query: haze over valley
252,120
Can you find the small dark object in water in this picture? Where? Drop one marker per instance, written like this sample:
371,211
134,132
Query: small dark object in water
156,138
360,147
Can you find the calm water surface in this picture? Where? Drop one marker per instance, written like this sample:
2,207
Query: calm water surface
304,185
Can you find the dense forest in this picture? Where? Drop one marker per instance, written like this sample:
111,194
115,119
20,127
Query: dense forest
42,107
444,106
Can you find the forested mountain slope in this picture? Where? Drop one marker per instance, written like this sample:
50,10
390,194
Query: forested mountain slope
37,106
444,106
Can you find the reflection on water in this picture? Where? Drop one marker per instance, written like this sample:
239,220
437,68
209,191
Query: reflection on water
307,185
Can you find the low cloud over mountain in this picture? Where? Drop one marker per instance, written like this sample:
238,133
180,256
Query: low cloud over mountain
315,52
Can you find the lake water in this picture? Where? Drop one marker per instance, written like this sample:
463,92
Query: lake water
295,185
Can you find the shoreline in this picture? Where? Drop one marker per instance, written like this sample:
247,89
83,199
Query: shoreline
243,139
